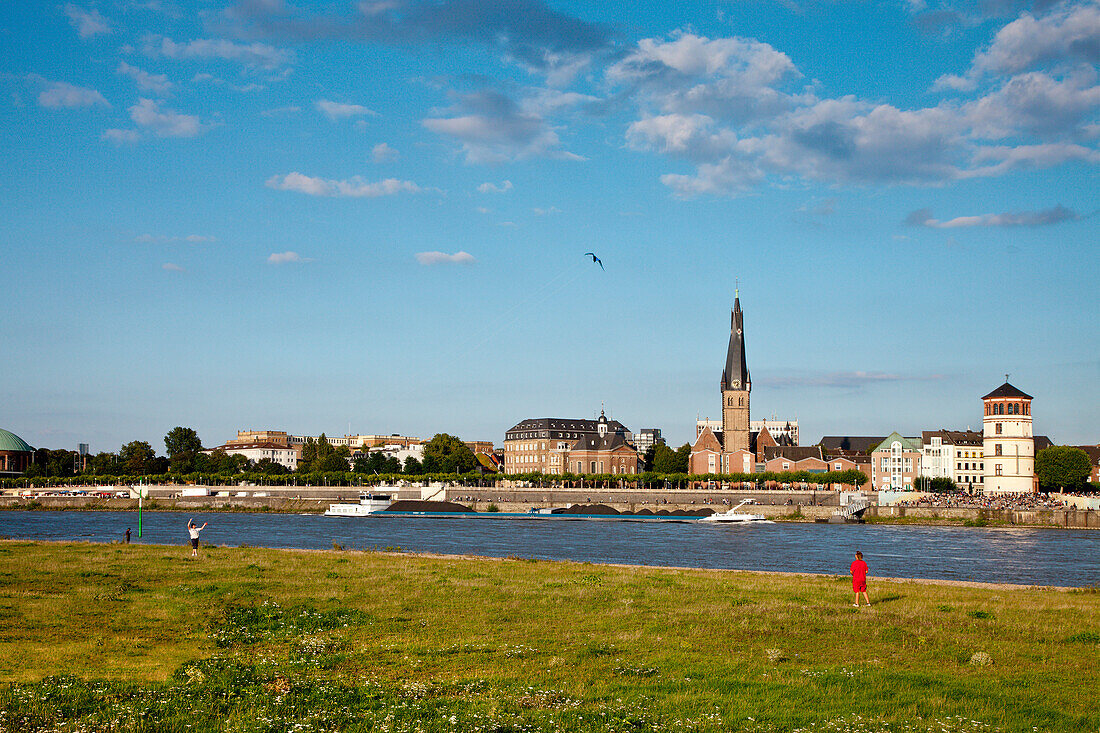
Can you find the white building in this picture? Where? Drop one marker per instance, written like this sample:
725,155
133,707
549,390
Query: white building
284,455
1008,441
954,454
646,438
777,428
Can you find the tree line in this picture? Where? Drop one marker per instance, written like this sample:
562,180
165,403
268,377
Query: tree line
446,457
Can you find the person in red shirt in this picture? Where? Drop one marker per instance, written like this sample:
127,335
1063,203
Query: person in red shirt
859,578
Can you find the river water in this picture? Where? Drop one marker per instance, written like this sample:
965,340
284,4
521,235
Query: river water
1020,556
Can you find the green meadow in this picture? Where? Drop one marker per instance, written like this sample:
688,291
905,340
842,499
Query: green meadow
143,638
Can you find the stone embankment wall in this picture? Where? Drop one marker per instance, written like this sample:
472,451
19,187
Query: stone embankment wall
1071,518
805,505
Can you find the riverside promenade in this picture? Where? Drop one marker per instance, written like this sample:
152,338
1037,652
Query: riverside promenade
790,505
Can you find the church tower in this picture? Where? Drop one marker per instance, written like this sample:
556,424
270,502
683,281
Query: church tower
735,387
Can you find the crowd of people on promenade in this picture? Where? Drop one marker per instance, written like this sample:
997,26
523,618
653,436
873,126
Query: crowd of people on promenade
975,501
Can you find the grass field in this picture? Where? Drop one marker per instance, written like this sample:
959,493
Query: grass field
142,638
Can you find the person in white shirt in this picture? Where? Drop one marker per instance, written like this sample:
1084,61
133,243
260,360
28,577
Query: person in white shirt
193,530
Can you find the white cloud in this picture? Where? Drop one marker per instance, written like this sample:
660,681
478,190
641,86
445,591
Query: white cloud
120,137
165,122
58,94
282,258
338,111
383,153
442,258
250,54
689,136
726,78
172,267
1054,215
546,212
1045,155
488,187
726,177
498,130
1037,104
1069,33
354,187
88,23
149,82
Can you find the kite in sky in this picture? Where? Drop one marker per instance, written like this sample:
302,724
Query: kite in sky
595,259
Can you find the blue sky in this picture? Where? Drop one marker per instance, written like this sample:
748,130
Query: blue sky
373,215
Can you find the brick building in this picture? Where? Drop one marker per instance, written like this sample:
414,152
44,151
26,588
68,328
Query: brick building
546,445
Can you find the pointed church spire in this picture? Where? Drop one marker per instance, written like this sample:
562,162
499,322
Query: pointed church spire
736,373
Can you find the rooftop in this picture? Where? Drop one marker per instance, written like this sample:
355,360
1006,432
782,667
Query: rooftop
12,442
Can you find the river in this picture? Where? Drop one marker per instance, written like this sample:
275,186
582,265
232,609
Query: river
991,555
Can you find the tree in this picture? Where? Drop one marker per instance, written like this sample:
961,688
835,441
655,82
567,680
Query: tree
450,454
647,458
683,457
664,459
309,454
1062,466
331,462
183,445
137,458
269,467
413,467
944,485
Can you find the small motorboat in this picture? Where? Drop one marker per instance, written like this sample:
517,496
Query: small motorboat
735,516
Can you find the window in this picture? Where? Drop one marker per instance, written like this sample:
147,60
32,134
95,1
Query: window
997,470
997,449
786,466
998,428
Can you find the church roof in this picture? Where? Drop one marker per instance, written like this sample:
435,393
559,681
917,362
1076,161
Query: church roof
737,369
611,441
1007,390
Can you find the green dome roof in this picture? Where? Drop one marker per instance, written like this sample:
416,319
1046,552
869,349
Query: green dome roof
11,441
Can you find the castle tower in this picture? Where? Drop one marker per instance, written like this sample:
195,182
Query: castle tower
736,386
1008,443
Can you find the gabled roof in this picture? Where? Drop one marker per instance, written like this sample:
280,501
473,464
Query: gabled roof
1007,390
911,444
707,441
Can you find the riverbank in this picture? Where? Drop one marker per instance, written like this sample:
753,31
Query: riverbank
251,639
783,506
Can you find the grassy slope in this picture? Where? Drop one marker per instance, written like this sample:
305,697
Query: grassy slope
539,644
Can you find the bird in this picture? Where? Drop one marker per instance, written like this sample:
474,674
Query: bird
595,259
